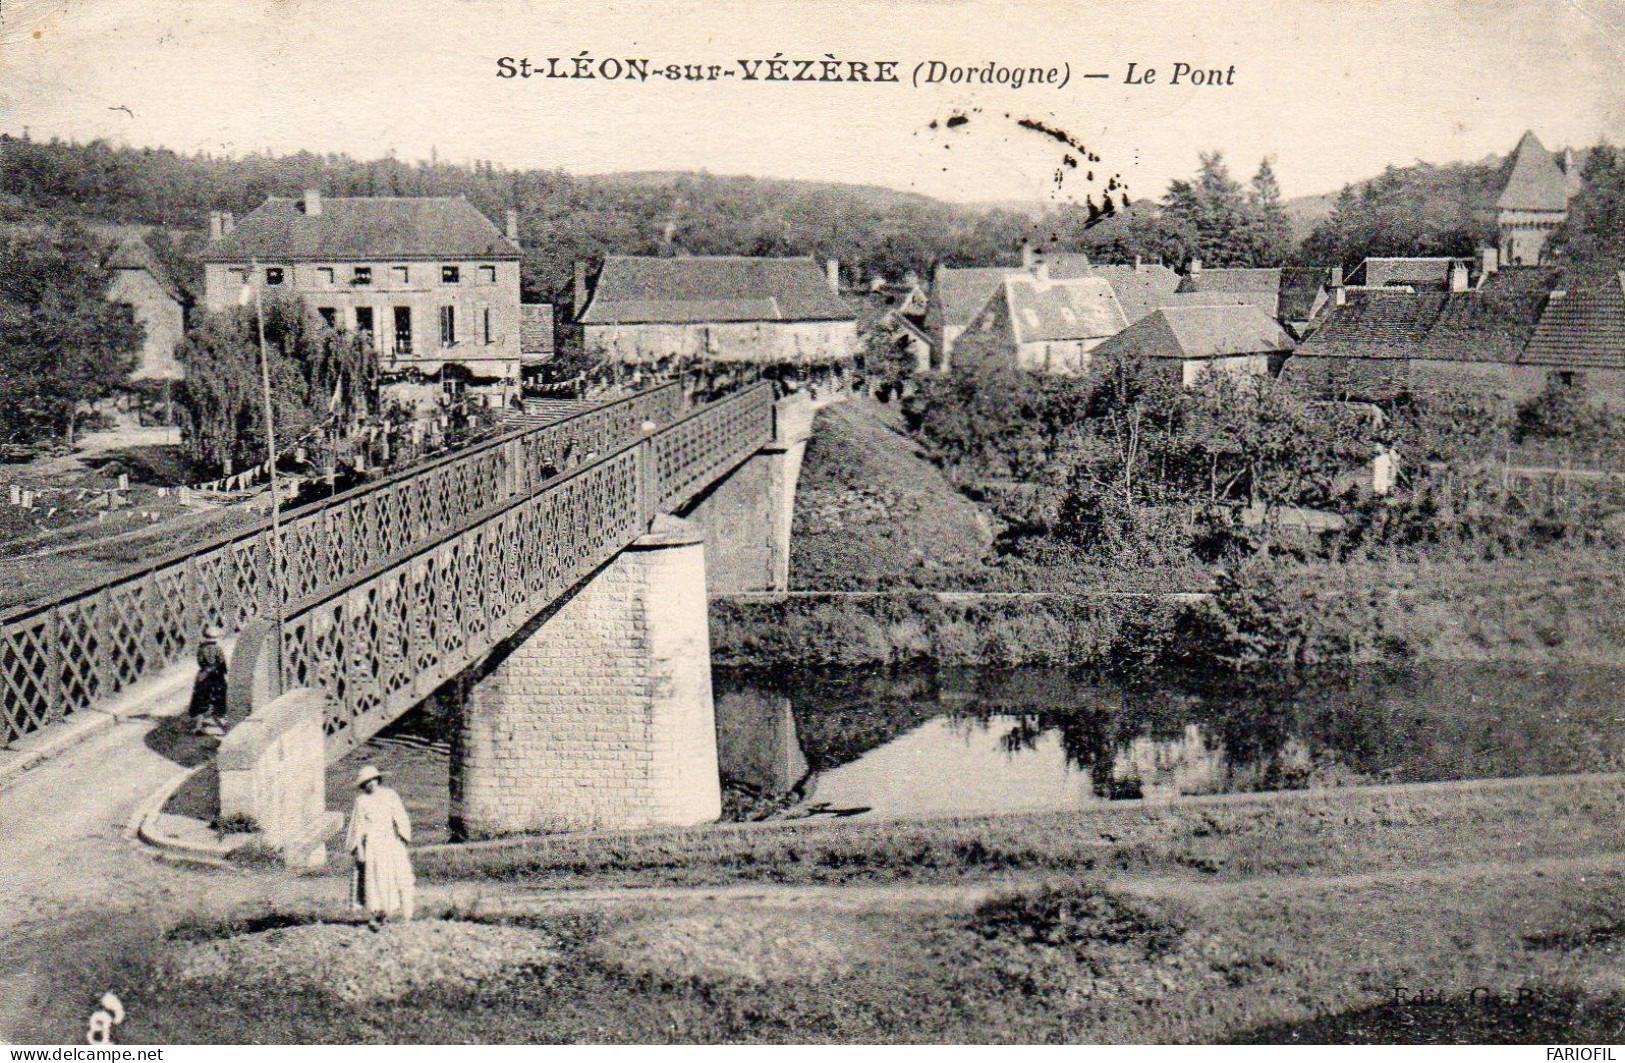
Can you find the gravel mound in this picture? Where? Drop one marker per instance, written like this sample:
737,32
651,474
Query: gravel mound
359,966
749,946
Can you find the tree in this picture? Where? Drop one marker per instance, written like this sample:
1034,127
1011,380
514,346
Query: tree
1418,210
1213,213
62,344
317,374
1591,241
1269,231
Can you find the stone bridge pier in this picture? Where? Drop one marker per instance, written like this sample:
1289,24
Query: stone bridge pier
598,714
746,516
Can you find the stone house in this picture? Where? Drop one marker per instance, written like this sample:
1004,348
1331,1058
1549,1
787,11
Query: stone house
1533,201
957,297
1040,324
721,307
1383,343
1580,341
429,280
1188,342
141,283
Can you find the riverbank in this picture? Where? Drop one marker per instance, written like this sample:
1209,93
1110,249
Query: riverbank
1224,837
1558,607
1252,921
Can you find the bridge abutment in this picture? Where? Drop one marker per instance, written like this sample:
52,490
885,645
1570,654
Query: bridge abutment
599,715
747,515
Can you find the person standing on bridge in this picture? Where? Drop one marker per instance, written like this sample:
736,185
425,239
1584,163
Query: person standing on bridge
378,835
208,707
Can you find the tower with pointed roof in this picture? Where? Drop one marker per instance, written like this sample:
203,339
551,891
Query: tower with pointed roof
1533,201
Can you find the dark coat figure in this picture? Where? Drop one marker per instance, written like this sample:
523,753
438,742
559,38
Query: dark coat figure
209,688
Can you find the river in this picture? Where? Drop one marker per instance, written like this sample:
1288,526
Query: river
992,739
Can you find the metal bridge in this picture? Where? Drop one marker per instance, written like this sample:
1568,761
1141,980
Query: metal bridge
390,589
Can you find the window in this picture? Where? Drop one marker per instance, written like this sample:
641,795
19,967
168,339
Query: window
273,275
329,316
240,273
402,275
403,330
450,275
324,274
448,326
485,323
488,274
362,276
363,320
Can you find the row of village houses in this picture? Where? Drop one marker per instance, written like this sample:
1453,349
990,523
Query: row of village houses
435,284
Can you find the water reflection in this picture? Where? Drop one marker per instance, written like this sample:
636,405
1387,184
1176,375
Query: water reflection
757,745
1030,738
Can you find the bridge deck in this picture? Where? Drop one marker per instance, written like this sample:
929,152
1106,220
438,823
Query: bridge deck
417,571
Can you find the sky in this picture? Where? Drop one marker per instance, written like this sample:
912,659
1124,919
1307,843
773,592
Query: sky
1329,90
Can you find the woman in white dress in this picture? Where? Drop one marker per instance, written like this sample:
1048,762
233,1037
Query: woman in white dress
377,838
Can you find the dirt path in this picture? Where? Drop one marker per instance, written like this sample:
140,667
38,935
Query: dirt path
74,889
495,899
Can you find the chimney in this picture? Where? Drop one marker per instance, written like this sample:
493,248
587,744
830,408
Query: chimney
513,226
313,201
832,270
1029,257
1489,260
580,288
1340,294
1194,269
228,223
1137,263
1458,276
217,225
1043,272
1568,161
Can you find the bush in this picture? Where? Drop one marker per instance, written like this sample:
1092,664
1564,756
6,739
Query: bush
1081,919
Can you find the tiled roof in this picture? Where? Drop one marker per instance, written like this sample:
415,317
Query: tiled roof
639,290
1582,328
1534,181
133,253
1300,289
363,229
1232,280
1416,272
535,329
1450,326
1261,287
1079,309
1065,265
1515,280
962,292
1138,291
1185,332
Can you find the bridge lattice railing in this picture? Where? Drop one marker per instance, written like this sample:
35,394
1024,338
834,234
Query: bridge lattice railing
381,645
86,645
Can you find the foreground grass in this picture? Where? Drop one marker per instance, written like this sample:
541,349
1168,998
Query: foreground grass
1325,832
1080,963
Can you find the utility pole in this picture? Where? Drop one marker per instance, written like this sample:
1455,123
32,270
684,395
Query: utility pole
275,577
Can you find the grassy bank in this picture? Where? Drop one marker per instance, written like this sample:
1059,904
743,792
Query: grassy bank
1323,832
871,509
1557,607
1504,956
897,627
